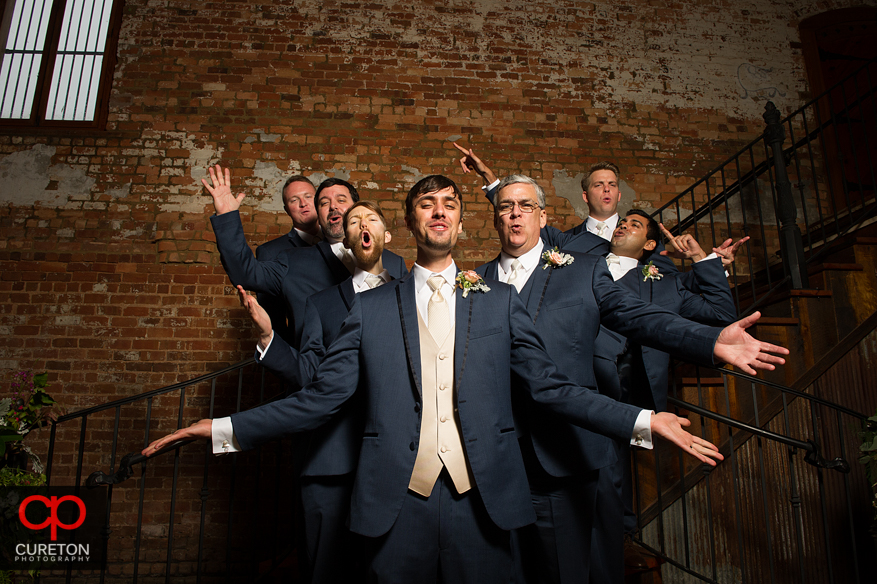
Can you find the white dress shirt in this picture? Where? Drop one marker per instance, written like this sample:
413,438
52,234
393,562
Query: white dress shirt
359,276
343,254
529,262
611,224
422,291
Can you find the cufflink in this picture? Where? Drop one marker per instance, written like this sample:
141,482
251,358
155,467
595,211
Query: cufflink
225,445
638,440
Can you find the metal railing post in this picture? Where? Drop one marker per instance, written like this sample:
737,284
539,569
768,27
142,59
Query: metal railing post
791,241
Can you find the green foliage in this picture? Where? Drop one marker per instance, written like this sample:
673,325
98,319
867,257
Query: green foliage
14,477
26,407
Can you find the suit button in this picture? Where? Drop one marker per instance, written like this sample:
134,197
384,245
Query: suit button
444,449
443,419
442,356
417,408
411,446
442,387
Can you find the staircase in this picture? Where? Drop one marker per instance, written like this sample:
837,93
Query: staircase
781,508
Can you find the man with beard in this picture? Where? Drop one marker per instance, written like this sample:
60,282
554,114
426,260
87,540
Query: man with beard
301,272
440,480
330,451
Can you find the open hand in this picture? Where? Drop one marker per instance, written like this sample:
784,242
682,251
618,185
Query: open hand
223,200
669,427
738,348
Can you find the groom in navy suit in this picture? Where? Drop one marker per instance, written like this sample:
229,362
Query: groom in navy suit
441,479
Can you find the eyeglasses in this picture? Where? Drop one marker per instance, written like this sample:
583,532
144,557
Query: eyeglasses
524,206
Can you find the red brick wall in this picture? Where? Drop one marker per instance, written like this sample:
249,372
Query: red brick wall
108,264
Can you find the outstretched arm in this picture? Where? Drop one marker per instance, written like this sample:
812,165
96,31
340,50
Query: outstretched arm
220,189
738,348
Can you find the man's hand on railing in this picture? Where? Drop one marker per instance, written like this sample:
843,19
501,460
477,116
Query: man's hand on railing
728,252
223,199
669,427
259,316
202,429
738,348
470,162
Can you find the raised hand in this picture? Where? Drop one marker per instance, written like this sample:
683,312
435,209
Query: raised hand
738,348
223,199
684,247
728,252
669,427
259,316
199,430
470,162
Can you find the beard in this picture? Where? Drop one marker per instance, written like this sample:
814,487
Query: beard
370,256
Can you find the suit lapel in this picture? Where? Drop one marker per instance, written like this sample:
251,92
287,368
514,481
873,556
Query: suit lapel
406,298
491,269
338,269
462,322
534,291
347,292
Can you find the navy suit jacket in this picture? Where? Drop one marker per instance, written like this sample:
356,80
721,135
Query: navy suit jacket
296,275
378,351
274,305
713,305
333,448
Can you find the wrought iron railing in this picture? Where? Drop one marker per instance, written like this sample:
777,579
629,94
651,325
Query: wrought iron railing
762,515
185,514
790,200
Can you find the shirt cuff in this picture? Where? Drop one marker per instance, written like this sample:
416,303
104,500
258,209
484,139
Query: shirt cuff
491,186
642,430
712,256
260,352
223,436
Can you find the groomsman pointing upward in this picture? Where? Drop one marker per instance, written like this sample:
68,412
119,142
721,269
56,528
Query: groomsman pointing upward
441,480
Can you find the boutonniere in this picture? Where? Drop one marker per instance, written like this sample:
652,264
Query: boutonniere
470,281
556,258
650,272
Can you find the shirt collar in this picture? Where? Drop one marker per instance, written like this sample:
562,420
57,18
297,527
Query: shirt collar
529,260
611,223
421,275
359,276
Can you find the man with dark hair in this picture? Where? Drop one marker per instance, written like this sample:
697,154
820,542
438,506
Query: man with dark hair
301,272
298,202
634,373
440,479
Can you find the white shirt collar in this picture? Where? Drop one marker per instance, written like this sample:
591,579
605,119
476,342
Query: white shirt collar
611,224
528,260
625,265
421,275
422,291
359,276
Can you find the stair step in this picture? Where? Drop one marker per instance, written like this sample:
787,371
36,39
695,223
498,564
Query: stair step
704,381
777,321
811,270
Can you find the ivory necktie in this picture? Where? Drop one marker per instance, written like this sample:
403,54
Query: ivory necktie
601,228
437,310
516,278
373,280
612,259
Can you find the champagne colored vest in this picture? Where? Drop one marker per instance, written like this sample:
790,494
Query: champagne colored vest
441,442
